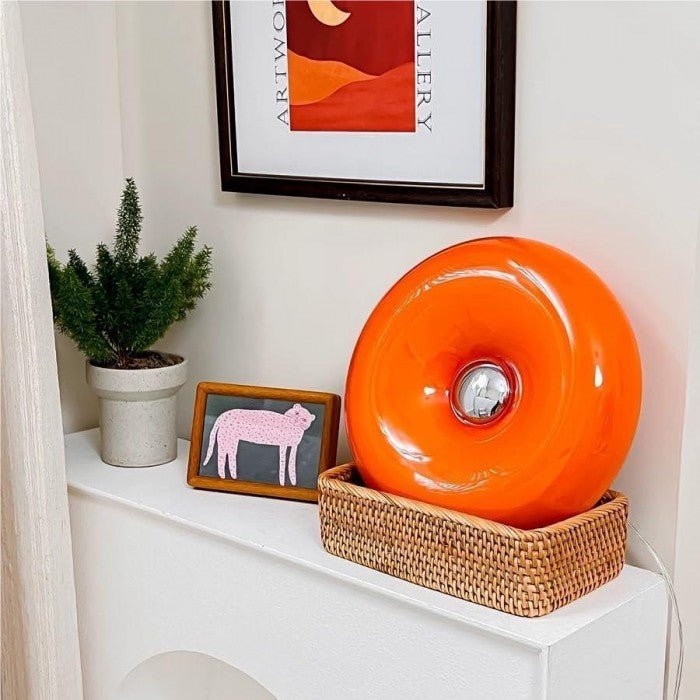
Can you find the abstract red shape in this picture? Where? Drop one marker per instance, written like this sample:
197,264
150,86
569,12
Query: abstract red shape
378,35
332,69
382,104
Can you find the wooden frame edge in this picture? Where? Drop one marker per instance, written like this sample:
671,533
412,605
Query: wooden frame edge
329,439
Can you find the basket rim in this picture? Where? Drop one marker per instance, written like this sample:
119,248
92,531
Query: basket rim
336,479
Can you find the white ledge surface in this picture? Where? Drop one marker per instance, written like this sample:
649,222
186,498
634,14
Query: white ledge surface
290,530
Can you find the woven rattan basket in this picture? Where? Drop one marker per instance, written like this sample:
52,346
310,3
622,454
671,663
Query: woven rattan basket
523,572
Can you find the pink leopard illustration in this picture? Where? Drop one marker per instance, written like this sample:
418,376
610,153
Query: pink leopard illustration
263,428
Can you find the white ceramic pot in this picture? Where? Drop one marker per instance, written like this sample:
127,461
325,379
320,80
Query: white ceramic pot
138,412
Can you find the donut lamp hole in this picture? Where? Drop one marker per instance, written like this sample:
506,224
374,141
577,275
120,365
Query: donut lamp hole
480,393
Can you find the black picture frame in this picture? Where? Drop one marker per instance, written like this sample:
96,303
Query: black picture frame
497,191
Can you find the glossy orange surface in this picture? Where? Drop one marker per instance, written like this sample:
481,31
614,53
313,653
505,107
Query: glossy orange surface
555,329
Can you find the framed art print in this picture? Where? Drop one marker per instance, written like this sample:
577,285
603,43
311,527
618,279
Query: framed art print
261,441
382,100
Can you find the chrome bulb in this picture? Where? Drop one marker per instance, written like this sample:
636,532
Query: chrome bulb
481,393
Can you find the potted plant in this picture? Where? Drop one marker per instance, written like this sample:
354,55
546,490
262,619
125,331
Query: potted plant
115,312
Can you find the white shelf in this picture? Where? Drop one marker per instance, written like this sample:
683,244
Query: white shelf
197,595
290,530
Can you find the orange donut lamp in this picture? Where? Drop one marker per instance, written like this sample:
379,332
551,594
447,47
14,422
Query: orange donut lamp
501,378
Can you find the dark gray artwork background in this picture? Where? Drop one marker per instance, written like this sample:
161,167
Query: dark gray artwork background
260,463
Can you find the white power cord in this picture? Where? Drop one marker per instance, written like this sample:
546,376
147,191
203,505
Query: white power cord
674,606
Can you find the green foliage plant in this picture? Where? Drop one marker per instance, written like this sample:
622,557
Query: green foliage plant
118,309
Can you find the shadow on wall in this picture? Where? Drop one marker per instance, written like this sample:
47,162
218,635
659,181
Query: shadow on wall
189,675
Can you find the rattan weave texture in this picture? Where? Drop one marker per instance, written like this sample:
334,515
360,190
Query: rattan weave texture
524,572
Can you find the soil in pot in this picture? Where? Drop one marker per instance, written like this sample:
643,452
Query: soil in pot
145,360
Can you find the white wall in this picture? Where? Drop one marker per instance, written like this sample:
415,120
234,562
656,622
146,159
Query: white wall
687,570
71,55
607,168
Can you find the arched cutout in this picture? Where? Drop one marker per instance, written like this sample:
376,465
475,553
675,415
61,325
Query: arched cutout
189,675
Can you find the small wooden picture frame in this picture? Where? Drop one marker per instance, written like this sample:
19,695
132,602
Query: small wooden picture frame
262,441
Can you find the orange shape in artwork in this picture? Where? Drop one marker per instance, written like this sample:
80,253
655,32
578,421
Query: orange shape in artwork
384,103
311,81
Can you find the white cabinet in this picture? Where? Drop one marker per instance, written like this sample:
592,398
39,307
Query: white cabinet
242,587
